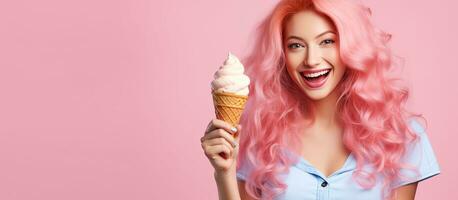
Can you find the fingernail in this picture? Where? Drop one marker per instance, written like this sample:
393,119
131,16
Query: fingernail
233,129
234,144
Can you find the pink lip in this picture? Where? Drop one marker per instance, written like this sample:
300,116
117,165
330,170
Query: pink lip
314,70
317,85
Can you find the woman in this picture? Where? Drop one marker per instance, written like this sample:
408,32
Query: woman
325,117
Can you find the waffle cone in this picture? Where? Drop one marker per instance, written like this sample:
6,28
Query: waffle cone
229,106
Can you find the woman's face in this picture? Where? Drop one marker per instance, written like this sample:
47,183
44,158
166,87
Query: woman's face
312,53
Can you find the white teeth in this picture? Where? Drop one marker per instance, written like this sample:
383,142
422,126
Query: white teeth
316,74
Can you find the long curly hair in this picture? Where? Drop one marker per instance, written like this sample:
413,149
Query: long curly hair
371,102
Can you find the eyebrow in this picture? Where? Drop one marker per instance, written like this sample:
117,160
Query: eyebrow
299,38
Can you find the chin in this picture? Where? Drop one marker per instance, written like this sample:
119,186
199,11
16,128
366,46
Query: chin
320,94
317,95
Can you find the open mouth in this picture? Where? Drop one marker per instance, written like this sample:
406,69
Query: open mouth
317,79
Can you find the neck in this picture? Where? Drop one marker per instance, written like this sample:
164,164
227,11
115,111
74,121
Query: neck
326,111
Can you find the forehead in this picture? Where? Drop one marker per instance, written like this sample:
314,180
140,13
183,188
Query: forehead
308,23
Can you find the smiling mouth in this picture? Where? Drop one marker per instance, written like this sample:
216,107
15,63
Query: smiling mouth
316,76
315,80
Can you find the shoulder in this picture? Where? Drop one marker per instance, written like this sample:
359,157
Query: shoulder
419,160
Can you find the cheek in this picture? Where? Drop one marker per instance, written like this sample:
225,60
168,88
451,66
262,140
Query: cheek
339,72
293,60
332,55
291,69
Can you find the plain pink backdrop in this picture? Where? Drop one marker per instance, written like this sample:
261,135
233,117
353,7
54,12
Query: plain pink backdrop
108,99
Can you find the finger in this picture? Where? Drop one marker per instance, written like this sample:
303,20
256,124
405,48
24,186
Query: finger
237,135
220,133
219,141
217,123
208,127
216,150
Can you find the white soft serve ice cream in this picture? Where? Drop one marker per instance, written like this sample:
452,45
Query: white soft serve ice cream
230,78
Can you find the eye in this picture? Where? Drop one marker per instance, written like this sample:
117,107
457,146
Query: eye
328,41
294,46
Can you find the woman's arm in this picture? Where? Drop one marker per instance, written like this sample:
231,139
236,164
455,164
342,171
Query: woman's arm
227,186
407,192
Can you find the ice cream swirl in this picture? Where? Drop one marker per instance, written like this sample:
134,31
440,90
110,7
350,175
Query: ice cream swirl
230,77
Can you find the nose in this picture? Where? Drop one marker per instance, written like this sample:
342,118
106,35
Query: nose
313,57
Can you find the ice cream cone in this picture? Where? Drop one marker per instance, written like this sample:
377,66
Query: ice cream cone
229,107
230,90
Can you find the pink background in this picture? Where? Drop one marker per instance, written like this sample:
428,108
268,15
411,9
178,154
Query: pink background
108,99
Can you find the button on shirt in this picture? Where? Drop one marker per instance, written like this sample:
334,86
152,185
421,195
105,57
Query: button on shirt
305,182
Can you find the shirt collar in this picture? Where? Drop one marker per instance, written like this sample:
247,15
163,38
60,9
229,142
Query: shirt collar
304,165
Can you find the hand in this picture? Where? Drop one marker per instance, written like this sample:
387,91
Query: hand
219,145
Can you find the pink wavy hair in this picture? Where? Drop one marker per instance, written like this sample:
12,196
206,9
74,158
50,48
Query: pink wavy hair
371,100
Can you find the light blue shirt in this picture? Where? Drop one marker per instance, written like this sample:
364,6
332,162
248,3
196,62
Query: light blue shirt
305,182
